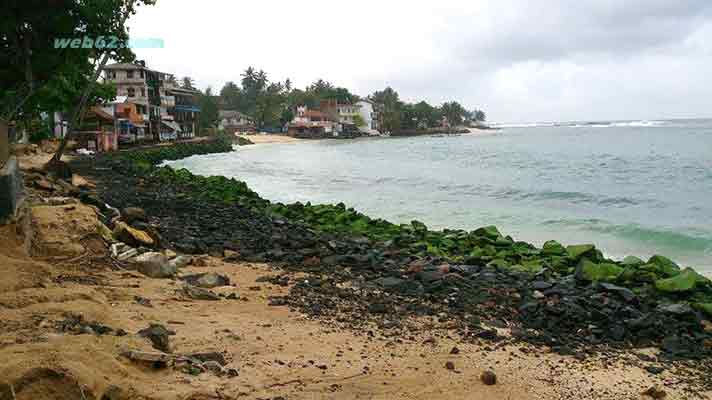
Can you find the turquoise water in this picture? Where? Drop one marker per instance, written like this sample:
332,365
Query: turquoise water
632,188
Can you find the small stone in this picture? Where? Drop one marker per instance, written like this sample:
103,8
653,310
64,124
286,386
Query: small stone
154,265
655,392
654,369
181,261
213,366
114,392
455,350
450,365
207,281
199,293
489,378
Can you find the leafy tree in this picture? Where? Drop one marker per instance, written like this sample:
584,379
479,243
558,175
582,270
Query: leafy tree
480,116
208,109
187,83
392,108
32,57
358,121
231,96
427,115
453,112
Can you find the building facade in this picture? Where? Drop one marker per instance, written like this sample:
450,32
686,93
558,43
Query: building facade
232,121
370,115
168,111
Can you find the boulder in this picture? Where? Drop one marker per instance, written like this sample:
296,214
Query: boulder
131,236
664,266
133,214
632,261
592,272
155,265
207,280
490,232
578,251
685,281
80,182
625,293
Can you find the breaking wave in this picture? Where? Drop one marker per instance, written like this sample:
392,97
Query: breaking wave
659,237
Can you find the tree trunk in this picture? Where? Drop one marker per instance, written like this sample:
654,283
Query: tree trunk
78,114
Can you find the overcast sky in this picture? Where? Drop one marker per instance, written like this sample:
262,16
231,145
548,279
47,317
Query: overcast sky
519,60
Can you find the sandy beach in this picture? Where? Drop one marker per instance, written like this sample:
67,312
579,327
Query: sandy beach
261,138
68,320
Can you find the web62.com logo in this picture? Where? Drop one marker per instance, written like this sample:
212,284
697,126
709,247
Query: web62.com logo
107,42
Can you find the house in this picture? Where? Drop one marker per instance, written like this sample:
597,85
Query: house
347,115
98,131
312,124
139,85
232,121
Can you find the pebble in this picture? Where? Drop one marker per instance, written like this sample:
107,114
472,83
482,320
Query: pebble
489,378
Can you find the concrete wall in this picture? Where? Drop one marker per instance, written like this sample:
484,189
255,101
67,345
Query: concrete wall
11,189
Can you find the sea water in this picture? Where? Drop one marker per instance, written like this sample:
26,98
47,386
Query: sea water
630,187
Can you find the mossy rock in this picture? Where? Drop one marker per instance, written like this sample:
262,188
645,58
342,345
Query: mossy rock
635,274
503,241
499,263
592,272
685,281
577,251
705,308
632,261
531,266
490,232
665,265
553,248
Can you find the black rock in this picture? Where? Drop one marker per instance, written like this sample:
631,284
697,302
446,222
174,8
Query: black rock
158,335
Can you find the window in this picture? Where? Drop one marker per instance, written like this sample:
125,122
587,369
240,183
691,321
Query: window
140,73
131,92
143,92
129,74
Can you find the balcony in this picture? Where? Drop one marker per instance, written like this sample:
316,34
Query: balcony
168,101
187,107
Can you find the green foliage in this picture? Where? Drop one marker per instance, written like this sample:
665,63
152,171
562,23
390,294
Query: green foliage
392,112
208,110
454,112
30,61
358,121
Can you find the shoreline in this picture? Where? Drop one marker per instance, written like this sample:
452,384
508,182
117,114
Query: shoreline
339,289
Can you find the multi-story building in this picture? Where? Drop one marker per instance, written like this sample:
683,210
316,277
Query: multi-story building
169,111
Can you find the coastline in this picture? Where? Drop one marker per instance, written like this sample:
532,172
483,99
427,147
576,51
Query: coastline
346,290
262,138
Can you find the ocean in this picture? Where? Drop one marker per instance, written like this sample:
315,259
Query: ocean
630,187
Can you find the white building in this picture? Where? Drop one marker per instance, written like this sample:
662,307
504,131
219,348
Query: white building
370,117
